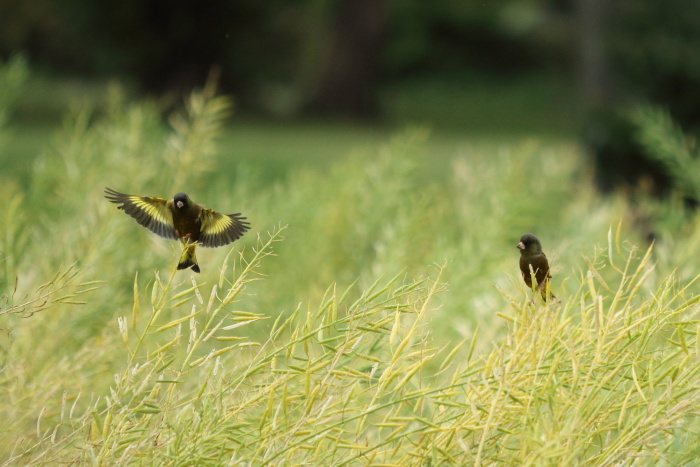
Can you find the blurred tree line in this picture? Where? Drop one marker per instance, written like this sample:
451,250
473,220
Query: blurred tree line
646,57
283,55
287,58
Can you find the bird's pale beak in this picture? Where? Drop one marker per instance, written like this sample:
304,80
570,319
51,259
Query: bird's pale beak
180,204
521,246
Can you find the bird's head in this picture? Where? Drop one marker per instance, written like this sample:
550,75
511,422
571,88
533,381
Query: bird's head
529,245
181,200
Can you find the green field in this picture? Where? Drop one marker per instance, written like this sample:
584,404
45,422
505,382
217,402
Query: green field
373,315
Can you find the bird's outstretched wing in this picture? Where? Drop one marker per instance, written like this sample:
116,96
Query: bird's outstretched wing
152,213
221,229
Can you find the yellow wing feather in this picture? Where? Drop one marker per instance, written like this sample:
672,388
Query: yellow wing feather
152,213
221,229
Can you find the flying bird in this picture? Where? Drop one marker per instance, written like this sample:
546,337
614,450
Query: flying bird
183,219
532,257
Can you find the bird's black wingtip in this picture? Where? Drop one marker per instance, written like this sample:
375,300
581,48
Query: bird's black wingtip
113,196
241,226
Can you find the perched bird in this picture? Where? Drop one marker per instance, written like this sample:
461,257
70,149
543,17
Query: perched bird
181,218
531,256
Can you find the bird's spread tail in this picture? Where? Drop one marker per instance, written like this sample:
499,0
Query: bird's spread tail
188,258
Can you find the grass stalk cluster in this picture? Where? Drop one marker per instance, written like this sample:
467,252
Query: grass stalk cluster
605,375
388,327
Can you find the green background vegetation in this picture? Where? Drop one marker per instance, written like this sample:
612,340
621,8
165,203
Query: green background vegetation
389,155
374,314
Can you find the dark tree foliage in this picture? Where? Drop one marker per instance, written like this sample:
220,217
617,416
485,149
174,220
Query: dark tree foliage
655,44
653,50
620,160
160,44
496,37
47,30
348,83
331,57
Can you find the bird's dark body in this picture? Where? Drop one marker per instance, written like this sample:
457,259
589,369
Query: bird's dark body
186,218
533,260
539,265
187,227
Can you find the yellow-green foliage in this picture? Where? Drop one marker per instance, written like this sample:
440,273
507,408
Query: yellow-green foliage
373,315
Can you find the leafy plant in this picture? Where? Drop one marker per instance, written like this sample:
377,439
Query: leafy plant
383,330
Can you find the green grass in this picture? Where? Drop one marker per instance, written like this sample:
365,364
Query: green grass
477,105
462,110
374,314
